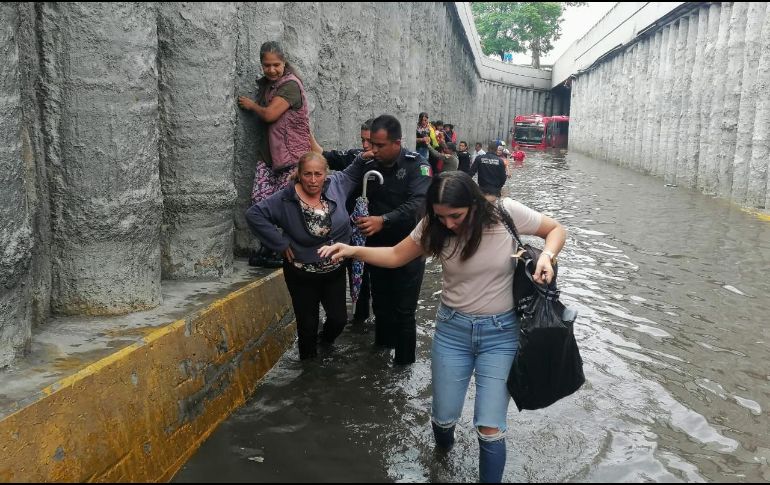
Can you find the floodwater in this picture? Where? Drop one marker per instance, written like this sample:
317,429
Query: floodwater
672,288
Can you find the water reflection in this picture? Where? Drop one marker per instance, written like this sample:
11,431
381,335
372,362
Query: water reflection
671,288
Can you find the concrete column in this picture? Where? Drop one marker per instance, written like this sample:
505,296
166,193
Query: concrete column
256,23
507,123
705,167
196,57
101,125
599,91
686,82
408,106
33,154
627,109
620,106
677,74
651,112
732,98
578,113
669,121
500,110
575,127
530,101
748,99
606,93
697,93
517,103
16,237
757,191
707,176
641,87
661,103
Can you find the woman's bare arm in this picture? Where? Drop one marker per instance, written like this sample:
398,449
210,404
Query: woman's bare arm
392,257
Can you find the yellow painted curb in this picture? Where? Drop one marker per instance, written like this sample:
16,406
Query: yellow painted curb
140,413
762,216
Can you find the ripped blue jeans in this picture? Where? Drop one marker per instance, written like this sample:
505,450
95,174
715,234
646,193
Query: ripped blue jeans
484,346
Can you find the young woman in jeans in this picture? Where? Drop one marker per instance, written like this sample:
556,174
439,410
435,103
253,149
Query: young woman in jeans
476,327
311,212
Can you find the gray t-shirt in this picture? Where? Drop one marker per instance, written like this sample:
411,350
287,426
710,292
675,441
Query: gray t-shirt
482,285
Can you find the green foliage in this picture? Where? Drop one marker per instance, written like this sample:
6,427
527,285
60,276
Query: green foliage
519,26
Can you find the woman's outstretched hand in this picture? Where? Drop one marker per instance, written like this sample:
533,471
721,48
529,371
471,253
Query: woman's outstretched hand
336,251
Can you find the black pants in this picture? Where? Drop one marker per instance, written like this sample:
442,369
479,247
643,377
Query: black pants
307,290
362,305
394,301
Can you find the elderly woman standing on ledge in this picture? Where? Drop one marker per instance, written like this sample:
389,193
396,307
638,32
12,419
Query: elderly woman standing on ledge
284,132
312,213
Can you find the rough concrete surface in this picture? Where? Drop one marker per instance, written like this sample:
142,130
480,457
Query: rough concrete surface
100,115
129,162
16,237
129,398
196,59
690,97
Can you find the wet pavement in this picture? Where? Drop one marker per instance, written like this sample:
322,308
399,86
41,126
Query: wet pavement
672,288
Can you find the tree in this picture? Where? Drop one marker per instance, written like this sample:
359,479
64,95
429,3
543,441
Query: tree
519,26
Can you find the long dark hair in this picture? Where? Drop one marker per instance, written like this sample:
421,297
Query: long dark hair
273,47
456,189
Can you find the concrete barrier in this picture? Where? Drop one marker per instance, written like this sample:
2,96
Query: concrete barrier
138,415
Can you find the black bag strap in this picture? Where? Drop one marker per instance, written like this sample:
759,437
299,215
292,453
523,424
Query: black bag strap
508,222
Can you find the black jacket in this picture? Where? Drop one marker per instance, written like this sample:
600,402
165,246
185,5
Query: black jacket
401,198
464,159
491,170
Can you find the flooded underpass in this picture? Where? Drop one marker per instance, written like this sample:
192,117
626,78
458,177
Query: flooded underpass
672,290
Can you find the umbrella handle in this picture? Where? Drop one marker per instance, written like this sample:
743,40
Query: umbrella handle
366,179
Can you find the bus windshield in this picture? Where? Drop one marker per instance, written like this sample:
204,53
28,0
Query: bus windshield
528,133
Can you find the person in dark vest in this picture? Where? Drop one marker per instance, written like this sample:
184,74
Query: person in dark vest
283,133
394,209
492,172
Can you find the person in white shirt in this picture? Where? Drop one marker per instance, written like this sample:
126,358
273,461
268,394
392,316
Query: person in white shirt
478,151
476,326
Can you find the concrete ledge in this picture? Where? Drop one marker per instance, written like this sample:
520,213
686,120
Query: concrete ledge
138,415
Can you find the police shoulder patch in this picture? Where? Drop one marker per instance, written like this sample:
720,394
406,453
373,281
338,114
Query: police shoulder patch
426,171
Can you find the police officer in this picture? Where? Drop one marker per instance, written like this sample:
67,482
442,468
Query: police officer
339,160
394,209
492,172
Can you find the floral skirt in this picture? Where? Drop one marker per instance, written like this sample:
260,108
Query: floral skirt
267,182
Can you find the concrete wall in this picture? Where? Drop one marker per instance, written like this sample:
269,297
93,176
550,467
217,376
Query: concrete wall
140,413
196,64
126,160
99,88
16,236
686,102
619,26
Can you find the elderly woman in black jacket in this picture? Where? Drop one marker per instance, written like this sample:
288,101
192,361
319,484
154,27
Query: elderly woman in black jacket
311,212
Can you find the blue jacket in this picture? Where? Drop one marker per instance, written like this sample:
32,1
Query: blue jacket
283,209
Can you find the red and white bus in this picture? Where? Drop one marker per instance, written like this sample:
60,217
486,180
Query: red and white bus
538,131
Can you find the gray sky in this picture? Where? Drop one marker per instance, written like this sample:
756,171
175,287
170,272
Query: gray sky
577,21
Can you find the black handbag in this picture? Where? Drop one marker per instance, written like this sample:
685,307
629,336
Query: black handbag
547,366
